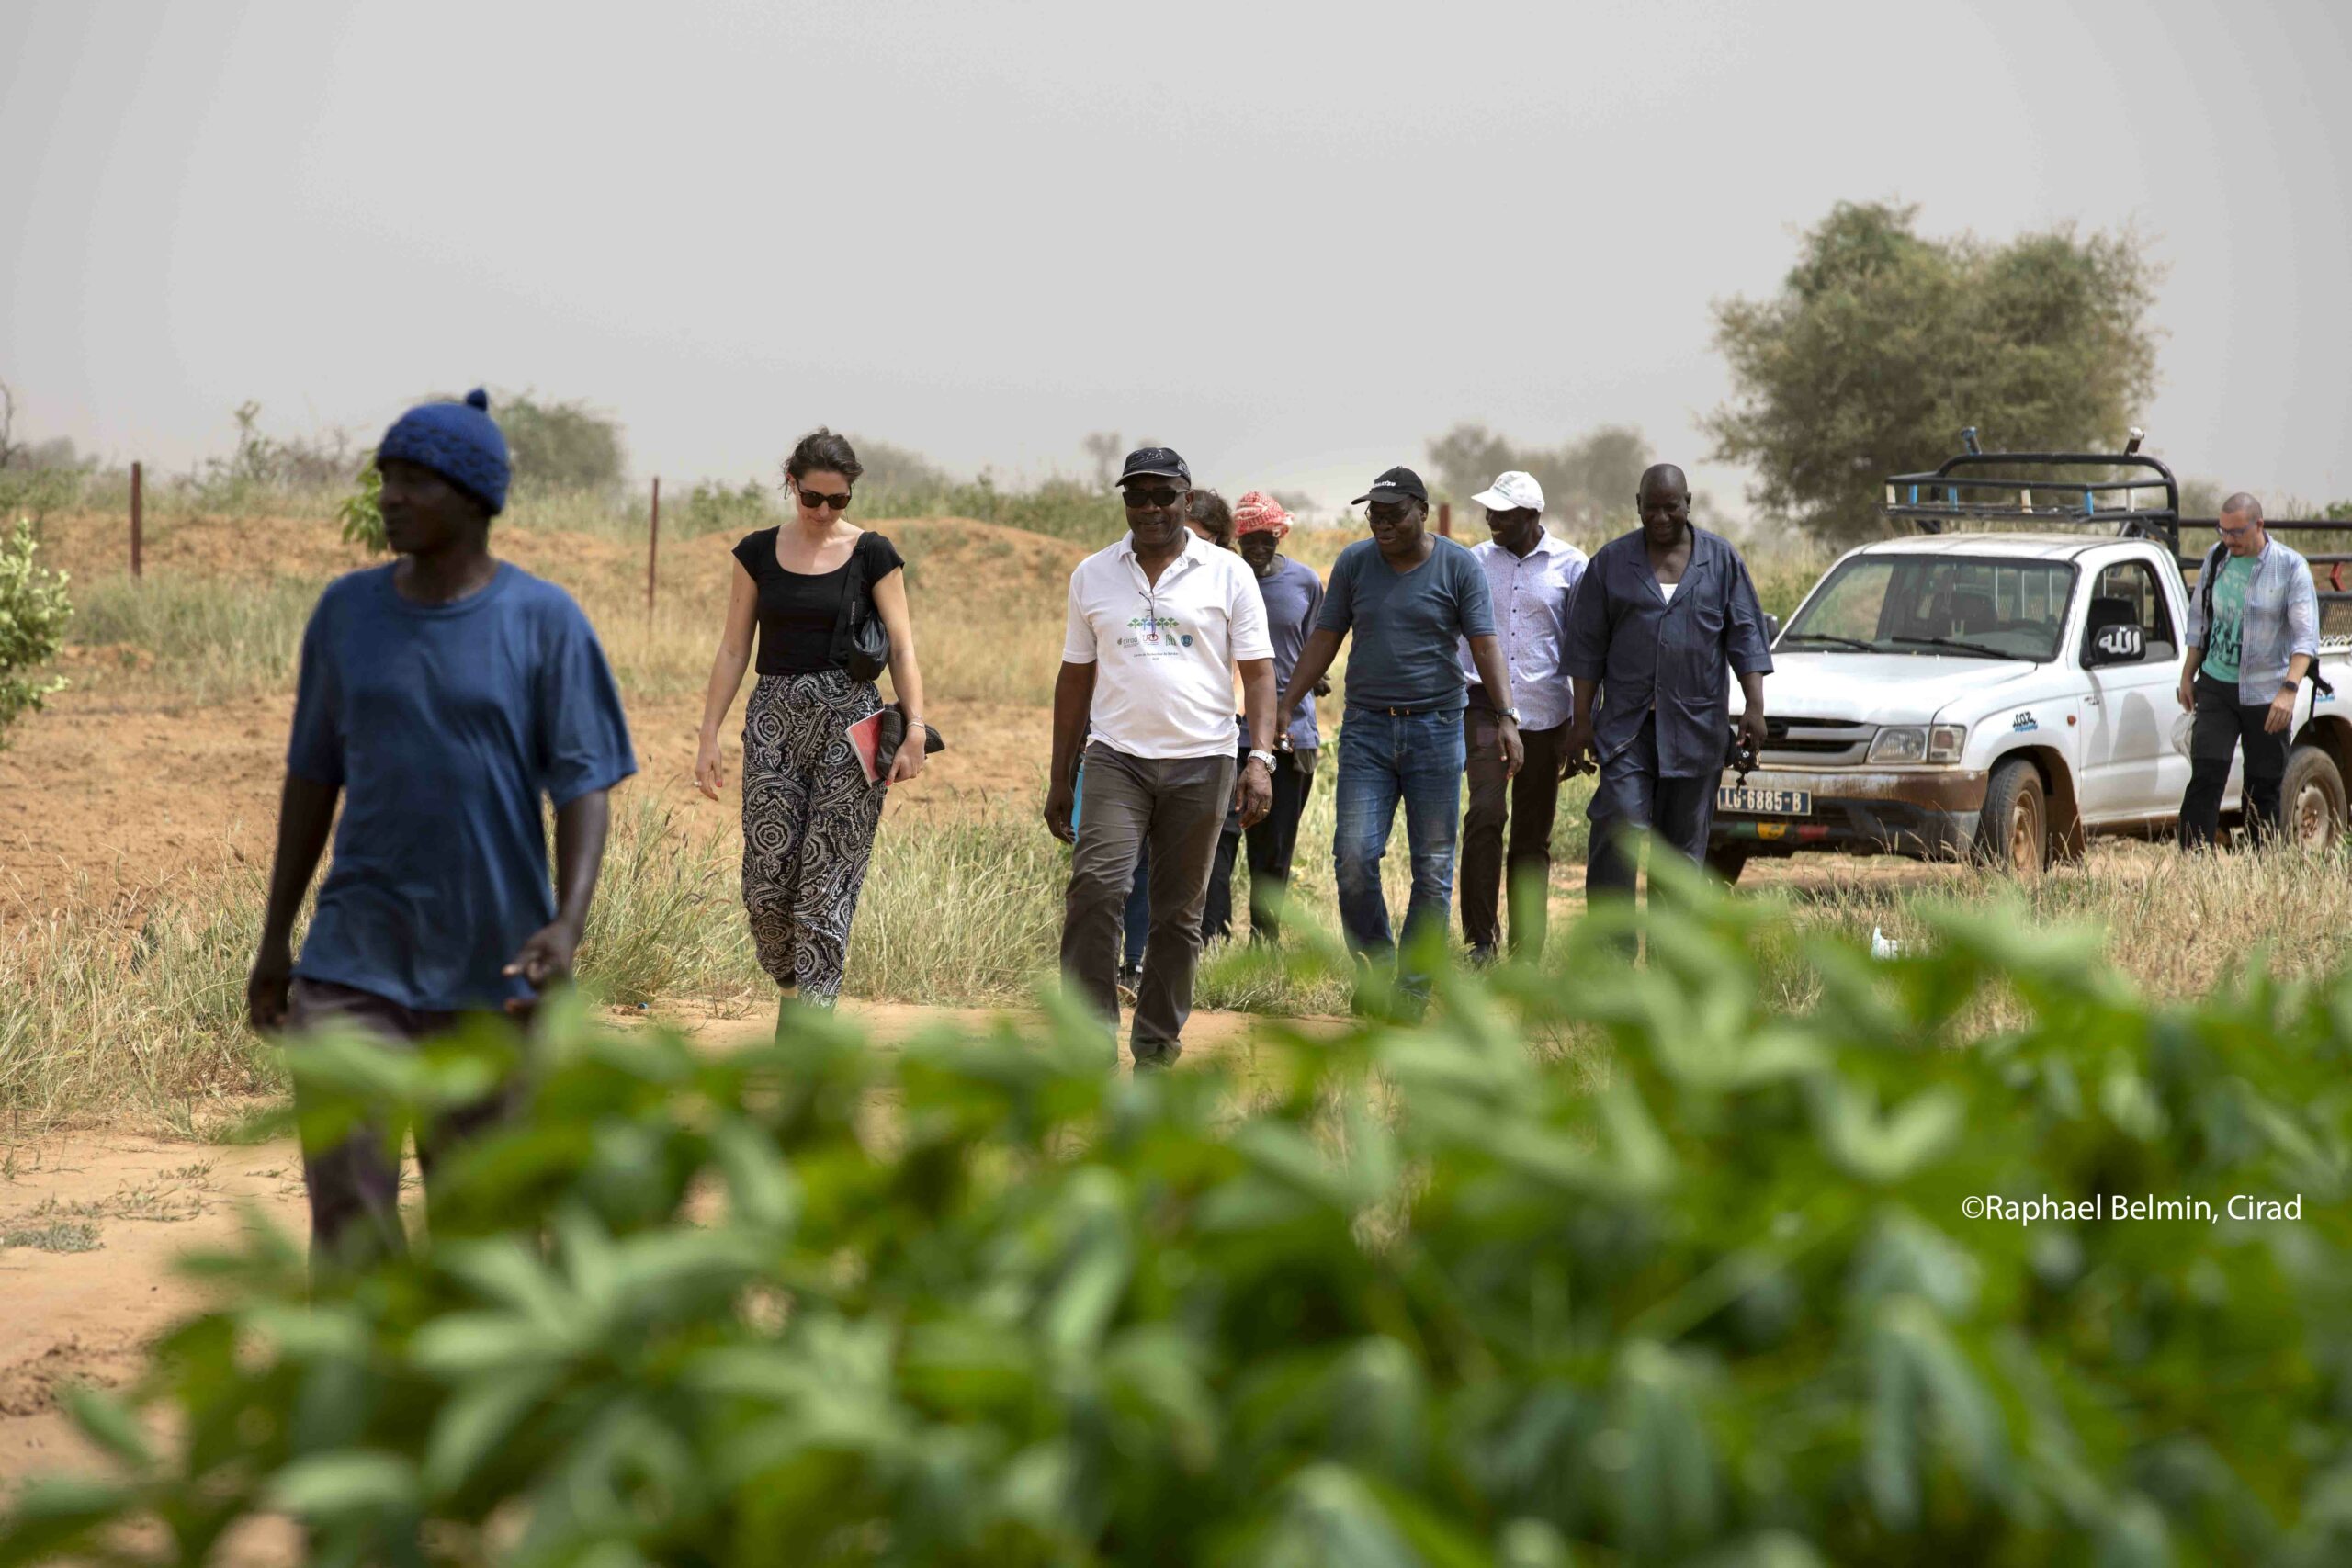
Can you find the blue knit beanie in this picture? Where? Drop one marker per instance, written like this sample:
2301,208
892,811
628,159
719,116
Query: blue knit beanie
458,441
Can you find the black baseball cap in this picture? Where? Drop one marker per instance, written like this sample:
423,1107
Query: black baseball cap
1397,484
1153,463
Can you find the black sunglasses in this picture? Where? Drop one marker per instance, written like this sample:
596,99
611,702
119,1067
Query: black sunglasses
817,498
1386,511
1144,500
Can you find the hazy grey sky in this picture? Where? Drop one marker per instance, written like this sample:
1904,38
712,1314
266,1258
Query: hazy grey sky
1295,240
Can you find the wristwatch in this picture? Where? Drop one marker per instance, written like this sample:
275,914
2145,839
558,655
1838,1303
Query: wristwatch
1511,714
1265,757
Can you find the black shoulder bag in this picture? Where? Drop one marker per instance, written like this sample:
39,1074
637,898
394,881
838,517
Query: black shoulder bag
861,642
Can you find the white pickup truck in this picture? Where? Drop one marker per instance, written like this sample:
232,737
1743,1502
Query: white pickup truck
1970,694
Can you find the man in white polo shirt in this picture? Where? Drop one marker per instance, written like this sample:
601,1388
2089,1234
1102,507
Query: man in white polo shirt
1532,573
1159,623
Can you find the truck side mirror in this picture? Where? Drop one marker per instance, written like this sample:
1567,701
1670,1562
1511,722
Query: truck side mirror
2115,645
1771,628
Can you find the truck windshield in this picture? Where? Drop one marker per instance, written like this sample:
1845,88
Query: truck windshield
1971,607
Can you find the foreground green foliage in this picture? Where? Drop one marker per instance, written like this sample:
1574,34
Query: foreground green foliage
1434,1296
33,613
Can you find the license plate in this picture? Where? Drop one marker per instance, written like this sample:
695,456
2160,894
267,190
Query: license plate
1764,802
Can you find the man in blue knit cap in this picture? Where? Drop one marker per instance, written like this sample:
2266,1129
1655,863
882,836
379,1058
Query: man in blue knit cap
440,698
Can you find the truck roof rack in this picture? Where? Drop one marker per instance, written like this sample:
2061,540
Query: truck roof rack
1968,488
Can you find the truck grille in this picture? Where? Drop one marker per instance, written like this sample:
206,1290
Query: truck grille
1815,742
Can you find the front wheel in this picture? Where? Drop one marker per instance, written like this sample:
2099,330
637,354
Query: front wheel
2014,834
1726,860
2312,799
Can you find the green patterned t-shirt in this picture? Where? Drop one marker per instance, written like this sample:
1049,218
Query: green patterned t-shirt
2221,638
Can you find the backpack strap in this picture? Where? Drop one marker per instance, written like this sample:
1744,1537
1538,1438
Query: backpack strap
2205,586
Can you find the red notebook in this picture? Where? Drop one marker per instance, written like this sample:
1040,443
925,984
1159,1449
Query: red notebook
866,739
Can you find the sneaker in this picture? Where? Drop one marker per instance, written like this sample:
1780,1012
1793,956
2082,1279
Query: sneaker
1484,957
1130,982
1154,1057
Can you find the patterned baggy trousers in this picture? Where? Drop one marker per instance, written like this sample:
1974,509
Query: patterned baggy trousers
808,822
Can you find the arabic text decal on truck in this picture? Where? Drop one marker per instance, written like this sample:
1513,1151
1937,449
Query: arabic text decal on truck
2006,696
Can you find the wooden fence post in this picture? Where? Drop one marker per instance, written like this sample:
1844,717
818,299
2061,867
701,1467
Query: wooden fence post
1446,518
653,543
138,510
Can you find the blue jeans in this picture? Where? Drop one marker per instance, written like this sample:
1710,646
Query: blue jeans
1382,759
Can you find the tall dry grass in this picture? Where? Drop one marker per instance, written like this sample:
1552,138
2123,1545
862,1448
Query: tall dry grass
142,1014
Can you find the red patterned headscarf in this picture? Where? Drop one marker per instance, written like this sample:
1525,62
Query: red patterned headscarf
1258,512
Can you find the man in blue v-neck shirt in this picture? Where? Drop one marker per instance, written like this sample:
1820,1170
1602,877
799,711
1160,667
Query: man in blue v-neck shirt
440,698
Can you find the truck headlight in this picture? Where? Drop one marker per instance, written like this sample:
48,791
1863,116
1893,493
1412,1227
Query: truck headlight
1901,744
1918,743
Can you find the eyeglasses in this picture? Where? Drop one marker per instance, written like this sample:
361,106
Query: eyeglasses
814,500
1386,511
1145,499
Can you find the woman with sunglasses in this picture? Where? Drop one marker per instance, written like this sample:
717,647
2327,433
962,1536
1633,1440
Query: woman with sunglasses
808,813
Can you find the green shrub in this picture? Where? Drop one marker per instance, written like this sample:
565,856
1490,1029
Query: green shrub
1434,1299
33,613
362,512
716,507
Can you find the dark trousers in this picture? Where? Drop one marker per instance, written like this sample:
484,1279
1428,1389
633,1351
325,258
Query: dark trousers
2223,724
1271,843
355,1186
1176,805
1529,802
1631,798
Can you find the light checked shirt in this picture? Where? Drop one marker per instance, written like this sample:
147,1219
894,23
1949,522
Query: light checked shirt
1532,594
1166,651
2279,620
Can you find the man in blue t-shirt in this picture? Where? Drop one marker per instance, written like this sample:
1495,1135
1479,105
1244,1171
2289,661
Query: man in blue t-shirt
440,698
1408,596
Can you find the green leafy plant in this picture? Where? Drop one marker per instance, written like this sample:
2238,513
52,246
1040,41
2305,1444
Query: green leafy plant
1617,1266
33,613
362,511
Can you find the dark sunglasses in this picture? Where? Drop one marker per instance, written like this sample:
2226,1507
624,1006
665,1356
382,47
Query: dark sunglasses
1386,511
1144,500
817,498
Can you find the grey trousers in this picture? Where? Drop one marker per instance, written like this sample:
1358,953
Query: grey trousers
1177,806
354,1186
1633,796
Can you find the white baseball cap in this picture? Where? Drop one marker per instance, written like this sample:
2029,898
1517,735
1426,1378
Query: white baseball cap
1509,492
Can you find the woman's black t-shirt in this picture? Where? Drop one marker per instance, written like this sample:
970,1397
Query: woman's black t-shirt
798,610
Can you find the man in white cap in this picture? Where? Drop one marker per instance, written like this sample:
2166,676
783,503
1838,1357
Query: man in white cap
1532,573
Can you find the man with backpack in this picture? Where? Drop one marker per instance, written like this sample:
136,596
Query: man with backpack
2253,636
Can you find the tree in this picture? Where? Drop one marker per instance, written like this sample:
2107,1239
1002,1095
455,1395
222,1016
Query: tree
7,424
1104,446
1586,480
562,445
898,469
1883,345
